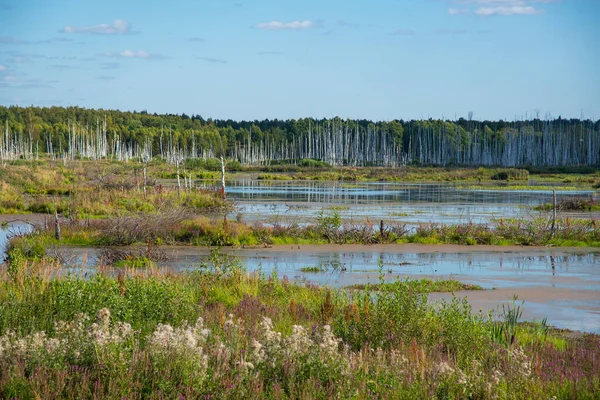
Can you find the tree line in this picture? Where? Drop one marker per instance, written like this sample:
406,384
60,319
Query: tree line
74,132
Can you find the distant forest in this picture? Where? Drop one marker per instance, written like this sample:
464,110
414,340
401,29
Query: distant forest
74,132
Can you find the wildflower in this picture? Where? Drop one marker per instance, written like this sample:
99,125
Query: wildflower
521,361
246,366
103,318
329,343
497,376
183,342
298,342
462,378
229,324
443,369
257,350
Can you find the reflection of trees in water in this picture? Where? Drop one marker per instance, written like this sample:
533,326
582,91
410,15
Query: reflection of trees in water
376,192
471,261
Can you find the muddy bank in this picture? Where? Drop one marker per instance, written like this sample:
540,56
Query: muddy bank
22,218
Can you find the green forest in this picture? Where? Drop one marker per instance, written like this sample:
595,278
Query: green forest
76,132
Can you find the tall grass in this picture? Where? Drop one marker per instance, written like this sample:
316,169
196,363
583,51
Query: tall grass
219,332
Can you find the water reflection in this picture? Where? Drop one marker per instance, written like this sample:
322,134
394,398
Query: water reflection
301,202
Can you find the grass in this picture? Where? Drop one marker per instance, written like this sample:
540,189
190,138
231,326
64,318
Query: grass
313,269
219,332
423,285
522,187
100,189
179,228
134,262
571,204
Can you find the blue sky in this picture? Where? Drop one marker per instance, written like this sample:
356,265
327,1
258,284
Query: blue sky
254,59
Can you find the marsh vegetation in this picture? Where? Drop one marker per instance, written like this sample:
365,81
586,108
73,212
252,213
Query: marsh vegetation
134,330
221,332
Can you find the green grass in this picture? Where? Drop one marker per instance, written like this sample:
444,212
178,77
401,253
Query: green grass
135,262
423,285
313,269
220,332
521,187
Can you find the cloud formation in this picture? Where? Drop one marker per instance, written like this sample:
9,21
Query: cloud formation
118,27
510,10
499,7
2,67
134,54
457,11
294,25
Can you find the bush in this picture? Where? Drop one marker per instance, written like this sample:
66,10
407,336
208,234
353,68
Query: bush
312,163
511,174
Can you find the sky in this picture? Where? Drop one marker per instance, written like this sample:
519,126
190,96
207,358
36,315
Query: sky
255,59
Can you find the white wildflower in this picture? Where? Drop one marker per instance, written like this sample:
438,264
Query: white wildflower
462,378
246,366
103,318
329,343
186,341
497,376
521,361
257,350
443,368
298,342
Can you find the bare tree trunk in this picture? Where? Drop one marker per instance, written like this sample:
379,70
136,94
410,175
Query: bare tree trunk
178,180
223,175
56,223
145,181
553,213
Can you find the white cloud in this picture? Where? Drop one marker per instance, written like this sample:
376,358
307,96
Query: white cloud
457,11
10,78
510,10
504,2
2,67
278,25
500,7
118,27
133,54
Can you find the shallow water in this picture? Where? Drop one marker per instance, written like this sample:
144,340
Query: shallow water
11,229
411,203
563,285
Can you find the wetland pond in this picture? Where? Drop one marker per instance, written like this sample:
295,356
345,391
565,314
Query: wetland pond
560,284
410,203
